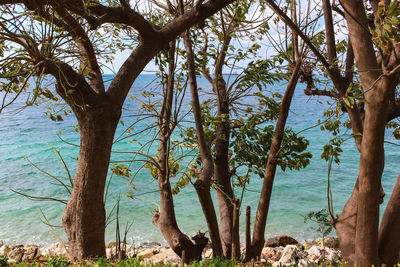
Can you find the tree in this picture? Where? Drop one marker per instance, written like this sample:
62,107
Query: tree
373,43
69,54
223,139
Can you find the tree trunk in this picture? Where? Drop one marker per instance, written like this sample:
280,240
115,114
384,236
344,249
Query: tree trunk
266,191
222,172
236,237
84,216
389,231
165,218
203,184
346,228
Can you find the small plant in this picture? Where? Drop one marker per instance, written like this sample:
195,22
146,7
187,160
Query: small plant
216,262
101,262
323,220
3,260
58,262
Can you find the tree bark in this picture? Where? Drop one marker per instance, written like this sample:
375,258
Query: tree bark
165,218
84,216
203,184
266,191
389,231
376,91
346,228
221,167
236,237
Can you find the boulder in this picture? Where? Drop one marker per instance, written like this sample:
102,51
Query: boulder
329,242
131,251
16,253
208,253
57,250
167,256
308,245
291,255
317,254
271,254
147,253
280,241
4,250
31,252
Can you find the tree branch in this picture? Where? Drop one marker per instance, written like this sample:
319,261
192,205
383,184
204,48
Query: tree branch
314,92
329,33
85,46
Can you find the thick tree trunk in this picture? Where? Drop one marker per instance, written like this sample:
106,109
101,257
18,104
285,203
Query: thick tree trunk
346,228
389,231
166,222
222,171
266,191
368,200
84,216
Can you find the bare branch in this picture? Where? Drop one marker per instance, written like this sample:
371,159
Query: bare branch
311,92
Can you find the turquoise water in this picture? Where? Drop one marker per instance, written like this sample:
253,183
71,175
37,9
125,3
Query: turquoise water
30,134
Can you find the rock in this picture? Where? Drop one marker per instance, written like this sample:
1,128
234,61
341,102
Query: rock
304,263
4,250
335,255
31,252
208,253
329,242
316,254
280,241
308,245
16,253
109,252
271,254
131,251
291,255
166,257
55,250
147,253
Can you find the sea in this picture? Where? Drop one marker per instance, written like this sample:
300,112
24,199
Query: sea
30,145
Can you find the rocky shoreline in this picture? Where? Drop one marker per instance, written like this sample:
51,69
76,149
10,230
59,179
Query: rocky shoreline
278,251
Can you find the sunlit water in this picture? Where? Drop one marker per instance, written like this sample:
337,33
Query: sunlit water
30,134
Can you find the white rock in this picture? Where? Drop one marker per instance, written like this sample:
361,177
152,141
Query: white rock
335,255
4,250
131,251
318,253
271,254
290,255
208,253
304,263
147,253
109,252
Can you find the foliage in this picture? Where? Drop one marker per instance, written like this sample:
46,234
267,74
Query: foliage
58,262
386,32
3,260
322,220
